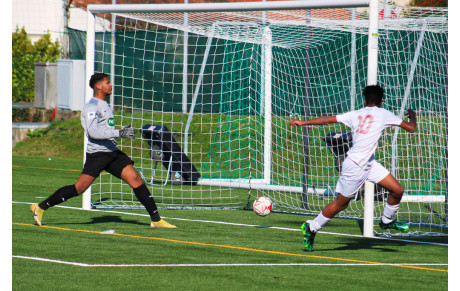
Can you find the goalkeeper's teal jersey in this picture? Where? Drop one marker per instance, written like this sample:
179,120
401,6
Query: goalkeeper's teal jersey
99,125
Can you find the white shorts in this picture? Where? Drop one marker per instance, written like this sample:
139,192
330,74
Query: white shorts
353,176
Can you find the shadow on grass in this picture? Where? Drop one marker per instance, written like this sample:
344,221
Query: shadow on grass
108,219
355,243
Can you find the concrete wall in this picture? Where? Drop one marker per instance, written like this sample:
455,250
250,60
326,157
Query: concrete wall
20,130
36,119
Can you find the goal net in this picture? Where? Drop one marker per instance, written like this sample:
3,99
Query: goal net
211,94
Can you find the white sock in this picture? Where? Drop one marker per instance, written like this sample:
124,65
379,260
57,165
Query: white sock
388,212
318,223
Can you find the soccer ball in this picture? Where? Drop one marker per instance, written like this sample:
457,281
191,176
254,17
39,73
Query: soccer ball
262,206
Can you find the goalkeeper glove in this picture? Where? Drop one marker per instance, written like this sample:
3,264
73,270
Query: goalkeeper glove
127,131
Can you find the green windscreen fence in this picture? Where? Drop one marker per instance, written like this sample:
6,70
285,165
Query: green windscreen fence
155,76
149,77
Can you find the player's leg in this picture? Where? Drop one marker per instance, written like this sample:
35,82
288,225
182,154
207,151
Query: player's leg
394,187
130,176
328,212
310,228
122,167
396,191
61,195
339,204
351,179
383,177
94,165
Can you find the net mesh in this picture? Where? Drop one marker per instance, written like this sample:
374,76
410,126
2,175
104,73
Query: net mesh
204,78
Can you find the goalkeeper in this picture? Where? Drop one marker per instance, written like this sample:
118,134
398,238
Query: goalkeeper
367,126
102,153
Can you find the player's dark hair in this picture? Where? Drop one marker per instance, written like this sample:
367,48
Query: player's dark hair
373,94
95,78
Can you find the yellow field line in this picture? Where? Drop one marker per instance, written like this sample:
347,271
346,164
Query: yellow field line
40,168
236,248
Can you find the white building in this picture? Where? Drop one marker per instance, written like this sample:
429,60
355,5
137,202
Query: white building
42,16
56,84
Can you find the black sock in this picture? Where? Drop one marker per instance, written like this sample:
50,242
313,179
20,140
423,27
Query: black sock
61,195
143,195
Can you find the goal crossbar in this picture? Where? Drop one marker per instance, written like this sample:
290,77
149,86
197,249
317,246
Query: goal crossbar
225,7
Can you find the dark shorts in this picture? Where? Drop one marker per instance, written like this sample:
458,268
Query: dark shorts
112,162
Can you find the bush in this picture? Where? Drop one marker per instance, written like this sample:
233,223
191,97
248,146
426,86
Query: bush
24,56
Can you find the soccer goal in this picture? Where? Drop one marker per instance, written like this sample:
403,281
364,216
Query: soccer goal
210,89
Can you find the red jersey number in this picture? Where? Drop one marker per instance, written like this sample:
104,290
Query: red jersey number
365,124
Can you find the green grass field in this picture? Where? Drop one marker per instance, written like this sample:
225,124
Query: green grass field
210,250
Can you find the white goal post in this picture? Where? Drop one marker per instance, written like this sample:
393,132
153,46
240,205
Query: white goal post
234,46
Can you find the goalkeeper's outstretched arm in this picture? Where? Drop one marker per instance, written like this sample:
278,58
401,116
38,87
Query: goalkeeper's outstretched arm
315,121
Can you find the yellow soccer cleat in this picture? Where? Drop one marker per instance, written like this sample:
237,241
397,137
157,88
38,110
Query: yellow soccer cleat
37,213
162,223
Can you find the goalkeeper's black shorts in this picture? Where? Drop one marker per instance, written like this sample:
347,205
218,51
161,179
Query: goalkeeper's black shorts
112,162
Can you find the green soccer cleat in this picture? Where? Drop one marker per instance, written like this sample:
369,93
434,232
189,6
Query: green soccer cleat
37,213
400,226
308,237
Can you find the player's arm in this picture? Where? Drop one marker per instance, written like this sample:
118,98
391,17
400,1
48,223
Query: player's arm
102,126
410,125
96,126
97,132
323,120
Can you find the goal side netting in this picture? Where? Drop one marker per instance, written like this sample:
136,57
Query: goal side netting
210,95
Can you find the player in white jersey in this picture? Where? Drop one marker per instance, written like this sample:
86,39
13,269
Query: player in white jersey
102,153
367,126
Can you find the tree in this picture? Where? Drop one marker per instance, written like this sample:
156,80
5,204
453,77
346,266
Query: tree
24,56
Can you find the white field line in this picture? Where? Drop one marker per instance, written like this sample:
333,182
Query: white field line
242,224
221,265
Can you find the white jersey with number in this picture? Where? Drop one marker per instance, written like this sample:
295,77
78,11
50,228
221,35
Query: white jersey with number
367,125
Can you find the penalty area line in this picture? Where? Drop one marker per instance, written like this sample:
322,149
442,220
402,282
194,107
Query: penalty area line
221,264
243,224
232,247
